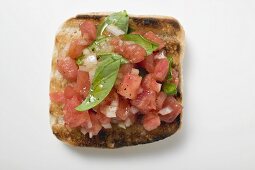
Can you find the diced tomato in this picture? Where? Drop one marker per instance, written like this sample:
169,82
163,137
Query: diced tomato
150,83
133,52
88,31
161,69
126,68
148,63
176,109
175,77
69,92
102,118
96,126
123,109
72,117
145,101
160,100
151,121
76,48
68,68
57,97
154,38
129,85
83,83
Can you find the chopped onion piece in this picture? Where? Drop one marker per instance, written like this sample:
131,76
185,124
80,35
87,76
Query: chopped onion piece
134,71
107,126
86,52
84,131
114,30
110,111
133,110
159,87
160,55
90,134
122,125
128,122
89,65
165,110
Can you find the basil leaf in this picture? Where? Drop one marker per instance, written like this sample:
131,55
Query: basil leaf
138,39
114,56
169,75
79,60
169,88
118,19
104,79
98,42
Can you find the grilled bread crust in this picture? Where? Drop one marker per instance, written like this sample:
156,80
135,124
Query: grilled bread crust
166,28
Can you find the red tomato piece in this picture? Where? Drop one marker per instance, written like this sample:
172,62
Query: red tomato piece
125,69
83,83
129,85
69,92
76,48
150,83
102,118
123,109
176,109
151,121
68,68
148,63
96,126
57,97
161,69
154,38
145,101
72,117
133,52
160,100
88,31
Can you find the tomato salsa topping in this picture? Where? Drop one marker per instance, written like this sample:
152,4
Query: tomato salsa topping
113,76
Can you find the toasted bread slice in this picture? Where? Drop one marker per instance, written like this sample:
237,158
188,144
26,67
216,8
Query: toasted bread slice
169,30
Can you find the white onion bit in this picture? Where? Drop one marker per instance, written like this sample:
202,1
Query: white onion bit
90,134
84,131
107,126
133,110
128,122
110,111
122,125
160,55
165,110
134,71
114,30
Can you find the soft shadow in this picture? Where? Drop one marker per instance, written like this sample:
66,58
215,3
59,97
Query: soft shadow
168,145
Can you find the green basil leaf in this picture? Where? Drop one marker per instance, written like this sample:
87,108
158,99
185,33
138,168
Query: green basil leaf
169,88
138,39
79,60
114,56
169,75
99,41
118,19
104,79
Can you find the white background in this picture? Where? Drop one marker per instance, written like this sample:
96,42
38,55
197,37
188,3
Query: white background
219,116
